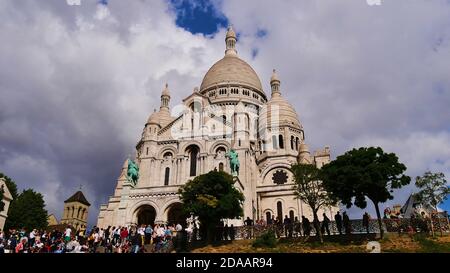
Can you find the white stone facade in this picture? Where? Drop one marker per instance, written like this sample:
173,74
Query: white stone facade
7,198
229,111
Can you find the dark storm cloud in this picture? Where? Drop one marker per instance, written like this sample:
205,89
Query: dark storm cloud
77,83
360,75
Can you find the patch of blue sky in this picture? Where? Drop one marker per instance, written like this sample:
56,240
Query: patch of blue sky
261,33
198,16
445,205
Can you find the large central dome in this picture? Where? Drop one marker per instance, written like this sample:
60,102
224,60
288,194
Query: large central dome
233,70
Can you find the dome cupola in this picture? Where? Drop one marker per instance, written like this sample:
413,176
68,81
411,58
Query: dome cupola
278,111
231,77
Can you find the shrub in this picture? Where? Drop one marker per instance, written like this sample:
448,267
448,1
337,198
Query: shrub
267,239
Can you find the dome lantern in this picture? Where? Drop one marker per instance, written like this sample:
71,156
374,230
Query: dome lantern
275,84
230,42
233,72
165,98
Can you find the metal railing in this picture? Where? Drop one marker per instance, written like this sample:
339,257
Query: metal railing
401,225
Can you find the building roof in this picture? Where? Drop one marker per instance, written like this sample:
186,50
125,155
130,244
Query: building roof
52,221
78,197
411,205
231,70
278,112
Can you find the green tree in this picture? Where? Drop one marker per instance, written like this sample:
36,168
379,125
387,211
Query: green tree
27,211
433,189
364,172
212,197
309,189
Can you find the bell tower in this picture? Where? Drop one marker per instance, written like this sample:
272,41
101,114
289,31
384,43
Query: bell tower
76,210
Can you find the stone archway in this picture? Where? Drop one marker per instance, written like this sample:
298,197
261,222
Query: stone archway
146,215
175,215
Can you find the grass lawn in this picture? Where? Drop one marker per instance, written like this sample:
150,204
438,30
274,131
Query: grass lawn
392,243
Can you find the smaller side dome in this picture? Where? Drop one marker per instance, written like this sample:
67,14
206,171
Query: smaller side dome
154,118
278,112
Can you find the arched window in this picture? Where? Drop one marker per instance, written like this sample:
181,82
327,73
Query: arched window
279,211
292,142
220,152
168,156
239,143
166,177
280,142
247,122
221,167
224,120
291,215
195,107
193,154
268,217
274,142
78,213
147,151
296,143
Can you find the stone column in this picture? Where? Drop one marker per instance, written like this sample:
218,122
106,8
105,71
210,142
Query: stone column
153,174
183,171
176,171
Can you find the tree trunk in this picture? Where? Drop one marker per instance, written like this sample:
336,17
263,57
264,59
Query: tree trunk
380,225
317,226
210,233
438,220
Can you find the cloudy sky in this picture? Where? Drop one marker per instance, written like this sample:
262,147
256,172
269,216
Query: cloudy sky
77,82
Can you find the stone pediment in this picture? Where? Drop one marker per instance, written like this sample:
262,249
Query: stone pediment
192,97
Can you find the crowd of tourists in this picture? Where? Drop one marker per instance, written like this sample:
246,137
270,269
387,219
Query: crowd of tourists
131,239
292,227
168,238
342,225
